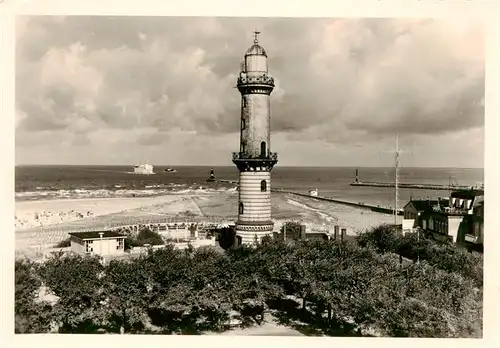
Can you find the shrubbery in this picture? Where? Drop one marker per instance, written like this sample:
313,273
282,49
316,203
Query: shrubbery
65,243
145,236
317,287
446,256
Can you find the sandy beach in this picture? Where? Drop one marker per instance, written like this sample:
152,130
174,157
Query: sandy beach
46,222
31,214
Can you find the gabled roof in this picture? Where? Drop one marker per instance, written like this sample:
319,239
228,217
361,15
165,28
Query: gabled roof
96,234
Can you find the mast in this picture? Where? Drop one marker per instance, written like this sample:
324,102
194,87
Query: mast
396,198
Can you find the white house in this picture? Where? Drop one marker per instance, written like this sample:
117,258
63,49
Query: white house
102,243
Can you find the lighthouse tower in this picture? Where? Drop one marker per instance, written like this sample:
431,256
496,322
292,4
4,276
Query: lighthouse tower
255,159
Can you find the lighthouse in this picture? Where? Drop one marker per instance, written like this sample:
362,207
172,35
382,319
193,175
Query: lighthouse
254,160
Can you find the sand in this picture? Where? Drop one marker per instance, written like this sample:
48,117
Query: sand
31,214
59,217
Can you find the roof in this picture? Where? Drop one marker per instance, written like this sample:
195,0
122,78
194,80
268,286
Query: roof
317,234
426,204
96,234
479,201
467,193
256,49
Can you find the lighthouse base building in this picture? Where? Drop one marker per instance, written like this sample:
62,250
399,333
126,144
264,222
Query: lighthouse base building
254,207
254,161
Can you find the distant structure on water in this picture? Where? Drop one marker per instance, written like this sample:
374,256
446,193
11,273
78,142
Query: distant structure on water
212,176
143,169
400,185
313,193
254,160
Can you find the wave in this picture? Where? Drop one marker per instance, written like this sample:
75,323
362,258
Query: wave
118,192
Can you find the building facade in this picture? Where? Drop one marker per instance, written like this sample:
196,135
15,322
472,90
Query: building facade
254,159
458,219
413,210
102,243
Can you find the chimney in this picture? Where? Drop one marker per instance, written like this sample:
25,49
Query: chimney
303,232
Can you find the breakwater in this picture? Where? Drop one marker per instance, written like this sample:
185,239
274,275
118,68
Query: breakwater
226,181
410,186
375,208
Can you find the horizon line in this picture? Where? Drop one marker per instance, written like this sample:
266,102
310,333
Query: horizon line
228,165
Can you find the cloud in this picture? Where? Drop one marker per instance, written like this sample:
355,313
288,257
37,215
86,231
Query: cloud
340,81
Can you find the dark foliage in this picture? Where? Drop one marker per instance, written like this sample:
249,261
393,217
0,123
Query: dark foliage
31,315
225,236
446,256
145,236
317,287
292,230
64,243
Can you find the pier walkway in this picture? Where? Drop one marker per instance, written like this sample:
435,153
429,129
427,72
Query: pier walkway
410,186
374,208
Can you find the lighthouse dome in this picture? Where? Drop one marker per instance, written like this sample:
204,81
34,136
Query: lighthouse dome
256,49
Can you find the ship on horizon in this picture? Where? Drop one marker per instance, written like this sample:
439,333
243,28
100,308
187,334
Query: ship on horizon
145,169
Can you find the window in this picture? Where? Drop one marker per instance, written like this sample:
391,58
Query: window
89,246
119,244
263,186
244,102
263,149
243,124
243,147
241,208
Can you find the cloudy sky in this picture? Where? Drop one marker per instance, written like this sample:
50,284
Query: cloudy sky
120,90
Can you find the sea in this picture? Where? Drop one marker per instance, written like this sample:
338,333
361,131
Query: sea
73,182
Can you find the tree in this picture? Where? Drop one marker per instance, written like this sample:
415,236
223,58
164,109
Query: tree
126,284
211,283
31,315
360,285
422,301
383,238
77,281
65,243
170,301
226,236
250,285
291,230
446,256
146,236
